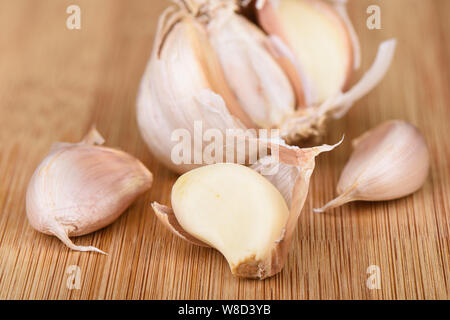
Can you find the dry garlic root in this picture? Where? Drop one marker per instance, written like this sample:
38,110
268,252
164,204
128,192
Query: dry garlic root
249,218
389,162
80,188
211,64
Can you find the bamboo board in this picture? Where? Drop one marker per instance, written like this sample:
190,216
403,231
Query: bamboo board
55,83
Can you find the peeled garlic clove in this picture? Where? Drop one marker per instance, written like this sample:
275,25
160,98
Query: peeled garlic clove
80,188
250,219
389,162
208,204
257,80
319,39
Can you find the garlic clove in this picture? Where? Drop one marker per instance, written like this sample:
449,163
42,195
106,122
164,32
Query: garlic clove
80,188
389,162
341,8
251,226
257,80
242,223
319,38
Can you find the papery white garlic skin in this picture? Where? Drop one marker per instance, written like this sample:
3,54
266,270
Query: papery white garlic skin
80,188
233,209
389,162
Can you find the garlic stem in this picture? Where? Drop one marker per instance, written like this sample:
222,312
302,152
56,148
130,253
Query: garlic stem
58,230
347,196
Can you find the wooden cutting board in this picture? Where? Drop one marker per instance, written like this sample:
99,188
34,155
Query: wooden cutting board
55,83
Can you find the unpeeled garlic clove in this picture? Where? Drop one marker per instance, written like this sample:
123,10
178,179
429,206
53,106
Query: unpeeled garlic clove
389,162
80,188
249,218
256,78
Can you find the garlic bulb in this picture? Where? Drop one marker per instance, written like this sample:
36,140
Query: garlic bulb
208,64
80,188
389,162
249,218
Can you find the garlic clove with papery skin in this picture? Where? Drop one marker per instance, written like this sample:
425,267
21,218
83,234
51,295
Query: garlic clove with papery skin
246,213
389,162
258,81
261,78
82,187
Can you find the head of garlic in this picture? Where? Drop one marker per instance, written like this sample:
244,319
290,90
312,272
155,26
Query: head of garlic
209,64
82,187
389,162
245,213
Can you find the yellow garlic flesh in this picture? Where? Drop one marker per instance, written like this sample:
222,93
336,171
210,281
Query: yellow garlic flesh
319,39
233,209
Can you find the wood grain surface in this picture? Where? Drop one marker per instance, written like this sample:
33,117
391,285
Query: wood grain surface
55,83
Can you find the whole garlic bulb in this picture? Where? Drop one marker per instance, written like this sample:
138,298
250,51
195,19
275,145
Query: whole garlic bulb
185,81
389,162
80,188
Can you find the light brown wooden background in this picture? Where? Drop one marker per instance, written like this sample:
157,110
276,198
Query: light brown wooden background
55,83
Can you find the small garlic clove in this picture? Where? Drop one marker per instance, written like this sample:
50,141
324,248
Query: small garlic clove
80,188
251,226
257,80
313,30
389,162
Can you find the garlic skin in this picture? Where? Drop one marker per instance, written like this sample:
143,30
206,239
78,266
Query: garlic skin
389,162
80,188
249,217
